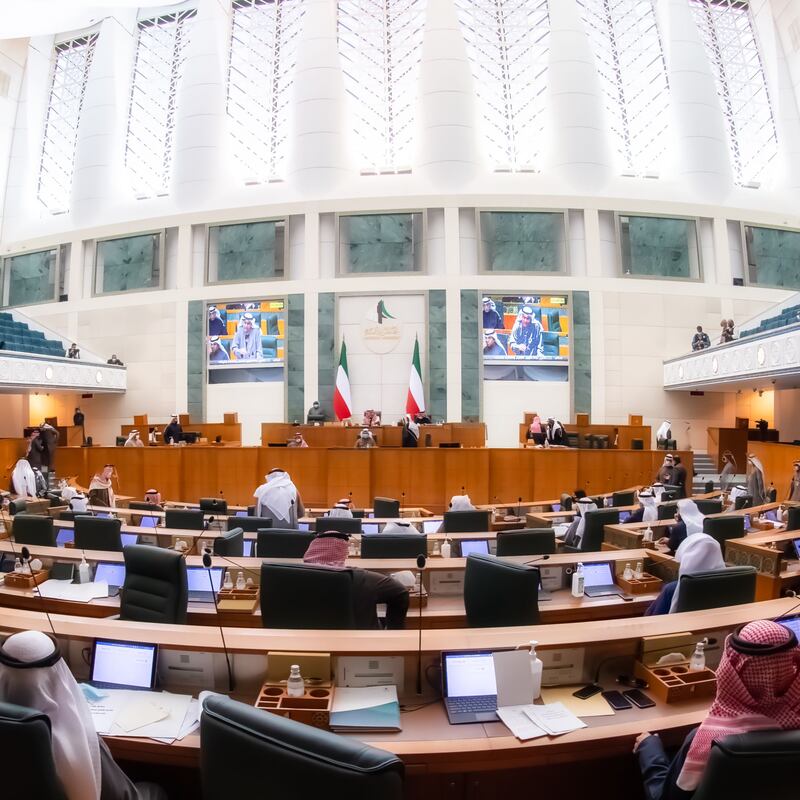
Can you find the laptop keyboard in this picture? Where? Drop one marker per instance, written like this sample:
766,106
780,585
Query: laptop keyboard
461,705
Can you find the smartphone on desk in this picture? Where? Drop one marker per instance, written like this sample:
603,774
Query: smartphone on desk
590,690
638,698
616,700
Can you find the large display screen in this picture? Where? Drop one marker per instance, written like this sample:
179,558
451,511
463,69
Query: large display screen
246,341
525,337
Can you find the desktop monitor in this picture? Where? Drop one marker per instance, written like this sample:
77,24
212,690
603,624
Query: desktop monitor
748,523
796,543
772,515
792,623
129,538
555,506
624,516
148,522
477,546
248,548
123,665
303,526
241,513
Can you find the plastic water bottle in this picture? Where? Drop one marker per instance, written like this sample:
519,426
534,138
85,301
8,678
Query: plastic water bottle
698,661
638,570
17,565
240,584
228,582
577,582
627,575
648,534
536,670
295,686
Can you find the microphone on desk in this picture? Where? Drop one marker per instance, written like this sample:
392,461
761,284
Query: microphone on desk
421,562
26,558
402,500
207,564
534,560
519,506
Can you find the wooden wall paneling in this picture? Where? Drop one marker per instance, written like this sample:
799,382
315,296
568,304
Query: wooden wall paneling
349,471
555,471
467,470
237,474
164,471
777,460
308,468
71,462
11,451
417,472
512,474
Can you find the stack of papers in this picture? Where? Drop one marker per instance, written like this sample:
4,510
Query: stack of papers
77,592
371,708
531,721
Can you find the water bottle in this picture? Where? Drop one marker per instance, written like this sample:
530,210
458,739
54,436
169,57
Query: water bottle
698,661
17,565
577,582
240,584
228,582
638,571
648,534
295,686
84,573
627,575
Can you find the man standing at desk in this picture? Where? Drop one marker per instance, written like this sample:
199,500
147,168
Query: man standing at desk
78,420
666,474
173,433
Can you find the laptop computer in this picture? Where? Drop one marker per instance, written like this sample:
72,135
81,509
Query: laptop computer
370,527
431,525
129,538
112,573
123,665
598,580
65,535
148,522
796,543
248,548
479,546
199,584
469,688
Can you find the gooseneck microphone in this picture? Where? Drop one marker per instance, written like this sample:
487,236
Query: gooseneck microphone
207,564
534,560
421,562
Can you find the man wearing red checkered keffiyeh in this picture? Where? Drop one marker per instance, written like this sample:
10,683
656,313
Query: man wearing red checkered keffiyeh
758,688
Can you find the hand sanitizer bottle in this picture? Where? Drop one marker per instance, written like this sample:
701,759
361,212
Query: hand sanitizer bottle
648,534
84,573
446,548
295,686
577,582
698,661
536,670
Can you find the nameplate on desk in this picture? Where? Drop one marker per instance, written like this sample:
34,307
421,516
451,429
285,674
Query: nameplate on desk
562,666
447,583
552,578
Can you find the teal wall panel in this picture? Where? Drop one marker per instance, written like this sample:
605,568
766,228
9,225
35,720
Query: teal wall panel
582,354
195,358
32,277
326,352
128,264
437,354
522,241
470,360
773,257
295,358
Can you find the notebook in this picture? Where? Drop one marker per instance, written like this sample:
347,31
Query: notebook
369,708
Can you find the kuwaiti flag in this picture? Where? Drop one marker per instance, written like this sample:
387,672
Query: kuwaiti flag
342,404
415,402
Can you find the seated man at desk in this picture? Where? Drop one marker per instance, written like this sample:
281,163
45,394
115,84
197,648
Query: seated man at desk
278,499
365,440
101,490
688,521
646,511
574,534
329,549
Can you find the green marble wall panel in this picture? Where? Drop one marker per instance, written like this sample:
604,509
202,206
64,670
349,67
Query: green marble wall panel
773,257
128,264
246,251
437,354
380,243
659,246
32,277
195,359
581,354
326,352
470,360
295,358
522,241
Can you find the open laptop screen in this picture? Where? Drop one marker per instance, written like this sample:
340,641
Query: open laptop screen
112,574
431,525
124,665
148,522
469,674
597,574
65,535
479,546
370,527
198,580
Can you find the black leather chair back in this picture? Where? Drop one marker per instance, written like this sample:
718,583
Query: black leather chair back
393,545
499,593
743,501
338,524
27,745
139,505
772,494
213,505
716,588
94,533
249,524
752,766
793,518
282,543
566,502
709,487
594,529
230,544
526,542
724,527
466,521
155,588
18,506
34,529
238,742
712,506
667,510
386,508
187,519
304,596
627,498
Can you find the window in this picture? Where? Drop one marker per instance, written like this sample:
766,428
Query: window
508,42
247,251
31,277
260,77
160,56
381,242
727,32
630,62
522,241
773,257
71,63
658,247
380,42
129,264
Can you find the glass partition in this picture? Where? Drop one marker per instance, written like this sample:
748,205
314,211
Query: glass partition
658,247
129,264
381,242
522,241
31,277
773,257
246,251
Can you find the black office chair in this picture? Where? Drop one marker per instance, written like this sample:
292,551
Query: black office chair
386,508
214,505
566,502
338,524
138,505
34,529
499,593
69,516
155,588
282,543
716,588
772,494
237,741
184,518
793,518
393,545
249,524
94,533
303,596
743,501
737,766
667,510
594,530
526,542
18,506
230,544
706,507
724,527
709,487
474,521
623,498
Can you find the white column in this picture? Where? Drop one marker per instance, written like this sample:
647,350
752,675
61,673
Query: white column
598,342
311,309
99,182
317,159
702,157
579,152
591,237
787,120
200,164
447,150
183,264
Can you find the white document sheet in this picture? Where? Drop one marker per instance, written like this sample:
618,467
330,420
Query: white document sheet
118,714
519,723
555,718
77,592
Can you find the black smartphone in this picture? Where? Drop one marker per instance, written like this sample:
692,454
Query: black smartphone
632,681
616,700
590,690
638,698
